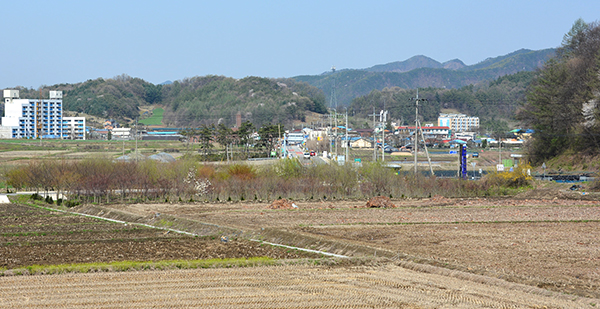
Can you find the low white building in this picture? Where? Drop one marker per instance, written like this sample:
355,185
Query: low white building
428,131
5,132
121,133
74,128
467,136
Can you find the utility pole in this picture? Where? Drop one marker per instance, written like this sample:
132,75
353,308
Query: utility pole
336,133
330,133
425,147
285,153
416,139
347,142
499,149
136,136
334,106
373,136
383,120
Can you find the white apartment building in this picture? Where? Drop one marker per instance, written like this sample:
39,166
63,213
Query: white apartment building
73,128
37,118
458,122
33,118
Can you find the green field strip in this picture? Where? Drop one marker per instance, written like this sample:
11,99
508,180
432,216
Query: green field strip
155,119
140,265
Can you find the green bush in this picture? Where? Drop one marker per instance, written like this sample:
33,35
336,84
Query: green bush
288,168
36,197
71,203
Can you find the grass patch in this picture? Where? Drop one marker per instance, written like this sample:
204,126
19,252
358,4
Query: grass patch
136,265
155,119
165,223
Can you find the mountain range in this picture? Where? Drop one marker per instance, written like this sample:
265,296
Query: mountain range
217,99
422,72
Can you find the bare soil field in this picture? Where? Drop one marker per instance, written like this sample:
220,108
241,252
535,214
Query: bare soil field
428,253
34,236
299,286
549,243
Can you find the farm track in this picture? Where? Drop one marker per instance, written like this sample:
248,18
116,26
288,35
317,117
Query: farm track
273,287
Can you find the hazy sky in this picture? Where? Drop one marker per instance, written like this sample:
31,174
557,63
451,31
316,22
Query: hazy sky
52,42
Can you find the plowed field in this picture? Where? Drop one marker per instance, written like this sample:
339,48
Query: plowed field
551,243
435,253
34,236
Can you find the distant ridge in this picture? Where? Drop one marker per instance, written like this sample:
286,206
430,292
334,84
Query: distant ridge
415,62
166,82
422,72
454,64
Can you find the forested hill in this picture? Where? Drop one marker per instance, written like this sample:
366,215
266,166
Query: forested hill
424,72
217,99
117,97
491,101
192,101
563,103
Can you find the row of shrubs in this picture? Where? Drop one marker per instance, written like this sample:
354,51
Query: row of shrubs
103,180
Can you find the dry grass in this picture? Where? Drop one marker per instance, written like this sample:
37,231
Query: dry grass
298,286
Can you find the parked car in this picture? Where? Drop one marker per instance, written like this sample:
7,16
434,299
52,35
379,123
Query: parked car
312,153
307,155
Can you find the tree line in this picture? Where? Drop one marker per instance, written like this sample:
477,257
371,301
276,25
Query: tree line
241,138
103,180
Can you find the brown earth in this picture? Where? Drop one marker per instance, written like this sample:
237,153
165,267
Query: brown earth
540,247
34,236
297,286
550,243
380,202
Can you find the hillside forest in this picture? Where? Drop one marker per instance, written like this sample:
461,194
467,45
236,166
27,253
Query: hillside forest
562,104
191,102
197,101
493,102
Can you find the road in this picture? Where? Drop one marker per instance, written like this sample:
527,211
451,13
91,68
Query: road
297,152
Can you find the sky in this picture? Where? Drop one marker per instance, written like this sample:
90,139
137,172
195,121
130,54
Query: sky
54,42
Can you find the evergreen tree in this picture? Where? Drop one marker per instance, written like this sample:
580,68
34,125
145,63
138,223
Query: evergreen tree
562,104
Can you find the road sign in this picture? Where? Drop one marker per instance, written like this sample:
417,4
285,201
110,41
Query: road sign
500,167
